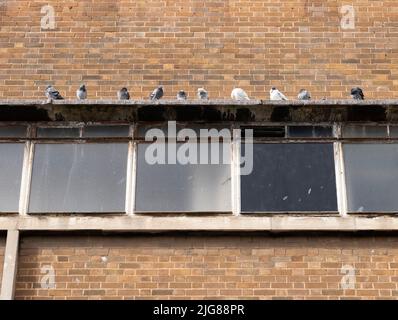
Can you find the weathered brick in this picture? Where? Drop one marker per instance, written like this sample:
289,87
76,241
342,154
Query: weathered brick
181,278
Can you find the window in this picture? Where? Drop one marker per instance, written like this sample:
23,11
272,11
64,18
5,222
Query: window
358,131
95,131
88,177
12,131
183,187
310,132
371,171
290,177
58,132
11,161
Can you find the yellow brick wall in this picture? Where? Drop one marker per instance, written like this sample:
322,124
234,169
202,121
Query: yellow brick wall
186,267
186,44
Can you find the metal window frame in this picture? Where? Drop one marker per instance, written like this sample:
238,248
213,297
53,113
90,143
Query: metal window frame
133,141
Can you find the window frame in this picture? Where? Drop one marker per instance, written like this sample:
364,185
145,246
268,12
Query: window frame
133,140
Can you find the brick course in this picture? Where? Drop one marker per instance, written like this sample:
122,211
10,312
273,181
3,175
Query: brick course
211,267
192,43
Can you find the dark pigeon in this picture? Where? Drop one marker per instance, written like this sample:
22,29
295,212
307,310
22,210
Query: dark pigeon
157,93
357,94
123,94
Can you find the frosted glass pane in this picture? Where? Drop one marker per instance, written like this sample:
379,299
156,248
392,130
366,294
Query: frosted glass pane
182,188
372,177
11,162
290,177
79,178
365,131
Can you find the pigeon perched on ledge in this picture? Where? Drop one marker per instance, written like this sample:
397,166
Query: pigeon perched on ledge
53,94
304,95
202,94
81,93
357,94
181,95
239,94
276,95
123,94
157,94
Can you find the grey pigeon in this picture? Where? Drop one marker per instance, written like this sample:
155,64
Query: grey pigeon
239,94
276,95
53,94
202,94
181,95
123,94
357,94
81,93
304,95
157,93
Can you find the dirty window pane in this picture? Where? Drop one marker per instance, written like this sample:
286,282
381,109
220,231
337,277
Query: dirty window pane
265,131
371,172
394,131
183,188
58,132
214,130
79,178
11,162
12,131
290,177
106,131
354,131
310,131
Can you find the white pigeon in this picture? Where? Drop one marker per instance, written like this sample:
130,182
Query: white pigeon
202,94
276,95
304,95
81,93
239,94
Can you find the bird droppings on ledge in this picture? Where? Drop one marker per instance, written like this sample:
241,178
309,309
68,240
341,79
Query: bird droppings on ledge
199,110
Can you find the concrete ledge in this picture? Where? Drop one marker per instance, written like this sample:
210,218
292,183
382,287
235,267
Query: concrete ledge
197,223
198,110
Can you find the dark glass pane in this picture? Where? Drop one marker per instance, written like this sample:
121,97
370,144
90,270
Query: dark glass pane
266,132
207,130
106,131
371,172
290,177
364,131
183,188
11,162
13,132
58,132
79,178
310,132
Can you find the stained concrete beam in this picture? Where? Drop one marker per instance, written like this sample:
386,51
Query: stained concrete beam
138,223
197,110
10,265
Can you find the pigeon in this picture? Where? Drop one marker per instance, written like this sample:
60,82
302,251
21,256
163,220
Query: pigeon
123,94
81,93
276,95
53,94
304,95
239,94
357,94
157,93
181,95
202,94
